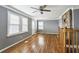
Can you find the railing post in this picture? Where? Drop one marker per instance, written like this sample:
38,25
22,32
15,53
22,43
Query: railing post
64,39
68,32
73,41
76,42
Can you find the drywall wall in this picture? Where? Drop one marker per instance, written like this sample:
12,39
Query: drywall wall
7,41
76,21
76,18
50,26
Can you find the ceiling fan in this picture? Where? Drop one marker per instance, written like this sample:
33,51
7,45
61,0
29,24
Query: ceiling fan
41,9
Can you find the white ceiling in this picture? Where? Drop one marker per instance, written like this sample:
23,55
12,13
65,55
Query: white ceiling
56,11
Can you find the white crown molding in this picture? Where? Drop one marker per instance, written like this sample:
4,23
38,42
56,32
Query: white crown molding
16,10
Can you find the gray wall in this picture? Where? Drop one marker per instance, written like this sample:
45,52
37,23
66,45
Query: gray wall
76,18
50,26
76,21
7,41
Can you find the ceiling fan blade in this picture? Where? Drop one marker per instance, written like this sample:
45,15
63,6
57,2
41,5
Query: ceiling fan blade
34,11
34,8
47,10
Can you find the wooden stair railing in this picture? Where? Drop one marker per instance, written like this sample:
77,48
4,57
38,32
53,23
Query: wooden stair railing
69,40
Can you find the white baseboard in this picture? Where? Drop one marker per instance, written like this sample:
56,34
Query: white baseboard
47,33
16,43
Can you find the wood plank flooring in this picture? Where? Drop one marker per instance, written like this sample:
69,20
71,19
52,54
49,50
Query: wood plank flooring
38,43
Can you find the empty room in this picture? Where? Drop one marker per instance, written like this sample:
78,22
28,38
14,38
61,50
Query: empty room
39,28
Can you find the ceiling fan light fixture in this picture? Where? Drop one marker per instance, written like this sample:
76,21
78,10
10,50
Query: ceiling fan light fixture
41,12
41,9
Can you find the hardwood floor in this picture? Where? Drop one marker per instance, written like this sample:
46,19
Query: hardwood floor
39,43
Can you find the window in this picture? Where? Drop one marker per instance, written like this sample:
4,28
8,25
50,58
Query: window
40,25
17,24
24,24
13,23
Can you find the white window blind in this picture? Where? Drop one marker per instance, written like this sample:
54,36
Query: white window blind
13,23
24,24
40,25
